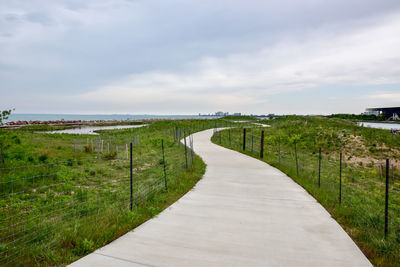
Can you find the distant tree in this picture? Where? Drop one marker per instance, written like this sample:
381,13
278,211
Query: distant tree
4,115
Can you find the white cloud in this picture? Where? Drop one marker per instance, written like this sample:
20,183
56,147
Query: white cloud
367,56
391,97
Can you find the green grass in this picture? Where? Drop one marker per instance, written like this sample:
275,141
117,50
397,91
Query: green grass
361,212
57,205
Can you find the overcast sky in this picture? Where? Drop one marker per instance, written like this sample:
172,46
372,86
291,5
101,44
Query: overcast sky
186,57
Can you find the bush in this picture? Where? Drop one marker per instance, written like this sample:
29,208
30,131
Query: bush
84,247
110,156
88,148
43,158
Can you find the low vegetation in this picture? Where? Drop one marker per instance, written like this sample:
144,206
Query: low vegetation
364,150
57,205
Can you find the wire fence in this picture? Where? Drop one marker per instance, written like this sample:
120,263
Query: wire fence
63,205
43,205
365,192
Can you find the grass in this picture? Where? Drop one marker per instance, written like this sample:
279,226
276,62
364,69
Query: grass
57,205
361,212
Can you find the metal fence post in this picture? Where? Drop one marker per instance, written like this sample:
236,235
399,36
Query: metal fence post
340,179
297,161
163,158
229,136
131,172
279,149
393,173
262,145
387,197
74,146
244,139
319,167
186,160
191,147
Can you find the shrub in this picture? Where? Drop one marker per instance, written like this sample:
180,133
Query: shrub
110,156
43,158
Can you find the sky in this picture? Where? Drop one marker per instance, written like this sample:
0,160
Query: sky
189,57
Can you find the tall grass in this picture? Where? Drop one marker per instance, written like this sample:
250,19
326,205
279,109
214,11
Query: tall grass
57,206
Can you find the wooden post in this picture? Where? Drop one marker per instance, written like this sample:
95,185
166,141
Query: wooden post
393,172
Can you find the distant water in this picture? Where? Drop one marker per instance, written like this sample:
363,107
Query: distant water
379,125
92,129
53,117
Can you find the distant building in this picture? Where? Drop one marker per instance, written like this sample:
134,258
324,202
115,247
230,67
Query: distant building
237,114
220,113
390,113
371,112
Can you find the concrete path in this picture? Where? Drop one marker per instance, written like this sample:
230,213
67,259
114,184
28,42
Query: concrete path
242,213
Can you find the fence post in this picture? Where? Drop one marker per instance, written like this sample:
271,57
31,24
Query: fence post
219,136
163,158
380,169
131,173
74,146
252,143
393,173
3,161
229,136
387,197
191,147
319,167
262,145
116,150
297,161
340,179
244,139
279,149
186,160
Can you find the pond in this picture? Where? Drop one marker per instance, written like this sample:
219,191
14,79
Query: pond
92,129
381,125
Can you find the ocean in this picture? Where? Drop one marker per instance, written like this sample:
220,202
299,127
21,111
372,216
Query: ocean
53,117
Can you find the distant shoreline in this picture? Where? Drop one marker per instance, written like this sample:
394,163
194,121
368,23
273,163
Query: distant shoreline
26,118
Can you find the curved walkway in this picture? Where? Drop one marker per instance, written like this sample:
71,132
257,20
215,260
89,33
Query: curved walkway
242,213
